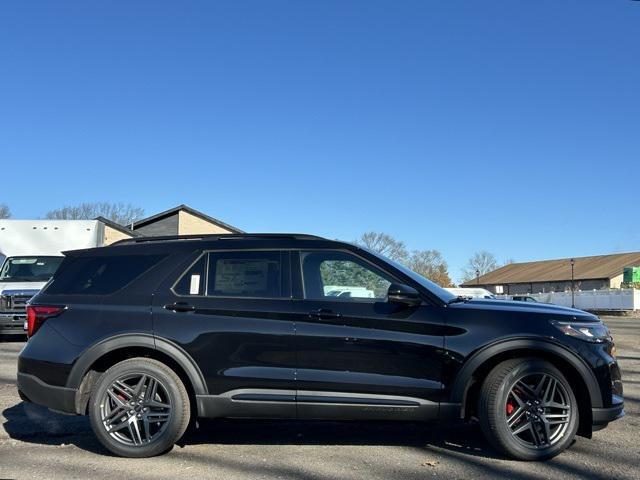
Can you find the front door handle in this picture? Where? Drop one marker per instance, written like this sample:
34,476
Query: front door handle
324,314
180,307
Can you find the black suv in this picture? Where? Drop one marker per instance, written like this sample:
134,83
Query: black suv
148,333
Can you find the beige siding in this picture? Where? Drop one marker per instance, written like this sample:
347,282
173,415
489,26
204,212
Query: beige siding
112,235
189,224
616,281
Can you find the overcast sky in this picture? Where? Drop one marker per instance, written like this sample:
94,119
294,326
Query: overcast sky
456,125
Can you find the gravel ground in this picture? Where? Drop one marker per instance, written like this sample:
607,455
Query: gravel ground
36,443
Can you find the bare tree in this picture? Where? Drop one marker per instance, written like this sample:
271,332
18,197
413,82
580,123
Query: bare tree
385,245
482,262
5,212
116,212
431,265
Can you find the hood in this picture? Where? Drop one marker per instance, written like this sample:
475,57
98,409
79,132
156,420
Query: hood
20,286
526,307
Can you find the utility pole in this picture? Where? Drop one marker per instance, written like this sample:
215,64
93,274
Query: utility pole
477,276
573,293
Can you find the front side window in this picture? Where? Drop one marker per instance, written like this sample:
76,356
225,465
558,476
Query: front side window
334,275
244,274
29,269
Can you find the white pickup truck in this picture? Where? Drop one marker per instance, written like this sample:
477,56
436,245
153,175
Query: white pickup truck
30,253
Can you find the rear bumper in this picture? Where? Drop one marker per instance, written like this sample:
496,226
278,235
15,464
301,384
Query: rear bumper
12,323
34,390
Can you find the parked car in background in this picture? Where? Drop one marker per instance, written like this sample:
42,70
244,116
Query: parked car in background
348,291
146,333
30,253
471,292
523,298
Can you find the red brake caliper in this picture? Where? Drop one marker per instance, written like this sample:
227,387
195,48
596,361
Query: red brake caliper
510,408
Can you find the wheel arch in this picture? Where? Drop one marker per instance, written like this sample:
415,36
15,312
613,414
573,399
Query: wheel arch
99,357
469,379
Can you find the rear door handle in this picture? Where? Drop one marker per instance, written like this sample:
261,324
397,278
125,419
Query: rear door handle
180,307
324,314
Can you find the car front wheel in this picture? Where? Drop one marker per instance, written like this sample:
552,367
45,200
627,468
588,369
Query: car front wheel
527,409
139,408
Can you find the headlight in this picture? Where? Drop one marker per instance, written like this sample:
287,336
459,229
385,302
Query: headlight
590,332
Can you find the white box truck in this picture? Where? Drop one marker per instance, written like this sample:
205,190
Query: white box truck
30,253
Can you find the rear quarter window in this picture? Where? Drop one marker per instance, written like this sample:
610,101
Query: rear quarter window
100,275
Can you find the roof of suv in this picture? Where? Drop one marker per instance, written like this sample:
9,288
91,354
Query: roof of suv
220,236
175,243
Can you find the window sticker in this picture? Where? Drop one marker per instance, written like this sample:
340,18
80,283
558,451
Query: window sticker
194,288
242,276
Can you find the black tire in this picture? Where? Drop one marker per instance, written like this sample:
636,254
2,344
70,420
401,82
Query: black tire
544,427
156,416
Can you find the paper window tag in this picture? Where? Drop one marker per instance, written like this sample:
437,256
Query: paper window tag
194,289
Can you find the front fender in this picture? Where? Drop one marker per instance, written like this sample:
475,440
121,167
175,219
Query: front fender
477,359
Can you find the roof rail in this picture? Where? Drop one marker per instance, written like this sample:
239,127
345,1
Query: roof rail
217,236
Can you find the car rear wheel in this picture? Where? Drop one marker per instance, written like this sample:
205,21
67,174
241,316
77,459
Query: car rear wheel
139,408
527,409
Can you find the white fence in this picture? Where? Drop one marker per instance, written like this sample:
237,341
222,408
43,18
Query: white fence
612,299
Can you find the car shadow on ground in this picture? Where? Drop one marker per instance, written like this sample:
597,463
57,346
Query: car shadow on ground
34,424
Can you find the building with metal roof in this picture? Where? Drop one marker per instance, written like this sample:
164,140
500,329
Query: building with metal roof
586,273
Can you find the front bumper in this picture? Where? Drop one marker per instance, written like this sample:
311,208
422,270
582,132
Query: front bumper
602,416
12,323
34,390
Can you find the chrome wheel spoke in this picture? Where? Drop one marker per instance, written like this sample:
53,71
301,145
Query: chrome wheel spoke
158,417
118,427
517,398
114,415
536,436
156,404
546,431
145,424
140,386
134,429
117,400
123,389
526,390
525,426
516,417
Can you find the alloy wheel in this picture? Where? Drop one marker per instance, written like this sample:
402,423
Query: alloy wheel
538,410
135,409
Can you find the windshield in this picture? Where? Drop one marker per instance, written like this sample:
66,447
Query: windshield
29,269
434,288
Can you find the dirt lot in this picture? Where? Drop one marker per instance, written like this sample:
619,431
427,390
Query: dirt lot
36,443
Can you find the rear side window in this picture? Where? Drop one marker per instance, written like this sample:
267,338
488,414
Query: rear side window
234,274
100,275
244,274
193,281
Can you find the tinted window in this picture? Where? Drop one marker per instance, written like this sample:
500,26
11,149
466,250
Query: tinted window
244,274
342,276
193,281
29,269
100,275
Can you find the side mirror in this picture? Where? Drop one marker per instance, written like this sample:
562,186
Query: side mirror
399,293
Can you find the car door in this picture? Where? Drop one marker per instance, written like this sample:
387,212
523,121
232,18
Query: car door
231,312
360,356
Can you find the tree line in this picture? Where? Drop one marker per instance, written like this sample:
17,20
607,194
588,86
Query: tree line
122,213
428,263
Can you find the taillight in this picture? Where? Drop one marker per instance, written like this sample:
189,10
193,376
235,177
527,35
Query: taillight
37,314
